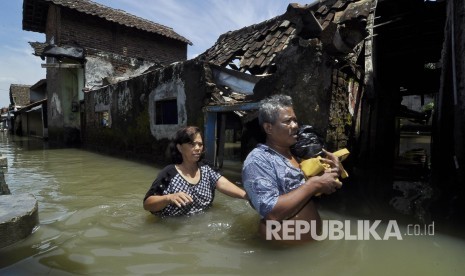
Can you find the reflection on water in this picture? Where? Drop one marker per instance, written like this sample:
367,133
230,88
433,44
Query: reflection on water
92,222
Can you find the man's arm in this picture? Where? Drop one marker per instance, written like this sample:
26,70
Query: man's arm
291,203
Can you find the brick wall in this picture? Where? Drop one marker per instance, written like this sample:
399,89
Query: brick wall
93,32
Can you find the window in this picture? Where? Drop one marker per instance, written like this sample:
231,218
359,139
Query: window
104,119
166,112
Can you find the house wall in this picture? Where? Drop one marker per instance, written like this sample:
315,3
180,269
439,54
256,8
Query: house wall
319,94
130,129
94,32
104,66
37,95
34,123
113,51
22,127
64,88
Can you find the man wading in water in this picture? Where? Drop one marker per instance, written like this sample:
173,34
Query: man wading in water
275,184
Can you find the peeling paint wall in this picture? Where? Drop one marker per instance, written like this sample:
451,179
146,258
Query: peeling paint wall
113,53
102,66
64,87
174,89
304,72
131,108
96,70
55,105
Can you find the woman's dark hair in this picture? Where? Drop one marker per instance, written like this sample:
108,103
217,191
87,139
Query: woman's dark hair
184,135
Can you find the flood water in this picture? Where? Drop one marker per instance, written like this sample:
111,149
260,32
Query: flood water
92,223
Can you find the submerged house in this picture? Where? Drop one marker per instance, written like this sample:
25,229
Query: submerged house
382,78
19,97
88,45
31,118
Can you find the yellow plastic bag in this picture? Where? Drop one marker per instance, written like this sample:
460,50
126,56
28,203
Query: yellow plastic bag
314,166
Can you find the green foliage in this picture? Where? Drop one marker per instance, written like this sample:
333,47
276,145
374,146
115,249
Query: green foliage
428,106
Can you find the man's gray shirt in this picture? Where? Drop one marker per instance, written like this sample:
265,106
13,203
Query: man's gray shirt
266,175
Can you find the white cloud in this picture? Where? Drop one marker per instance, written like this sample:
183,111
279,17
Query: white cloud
19,66
203,21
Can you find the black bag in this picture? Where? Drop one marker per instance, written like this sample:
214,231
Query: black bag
309,143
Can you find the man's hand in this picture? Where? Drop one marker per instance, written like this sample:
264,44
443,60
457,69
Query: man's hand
334,163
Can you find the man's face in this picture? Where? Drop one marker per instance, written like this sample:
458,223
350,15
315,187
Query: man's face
284,130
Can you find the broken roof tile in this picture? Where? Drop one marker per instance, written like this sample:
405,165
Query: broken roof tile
38,47
356,10
340,4
322,10
325,24
329,17
285,24
257,45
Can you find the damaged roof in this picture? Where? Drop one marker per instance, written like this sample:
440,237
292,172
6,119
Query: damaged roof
35,17
255,47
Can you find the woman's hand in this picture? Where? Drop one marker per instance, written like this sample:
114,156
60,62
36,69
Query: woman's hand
179,199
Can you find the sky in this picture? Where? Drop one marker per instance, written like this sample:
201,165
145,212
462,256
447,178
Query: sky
200,21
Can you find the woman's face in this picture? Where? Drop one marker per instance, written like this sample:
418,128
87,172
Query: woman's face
192,151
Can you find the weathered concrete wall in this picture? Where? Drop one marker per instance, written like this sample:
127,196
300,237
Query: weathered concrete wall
64,89
113,51
130,129
305,72
34,125
105,66
4,190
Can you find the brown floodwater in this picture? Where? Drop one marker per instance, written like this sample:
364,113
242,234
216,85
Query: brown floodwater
92,223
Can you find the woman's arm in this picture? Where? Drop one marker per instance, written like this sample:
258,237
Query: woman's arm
228,188
156,203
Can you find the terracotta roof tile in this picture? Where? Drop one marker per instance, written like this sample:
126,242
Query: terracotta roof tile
340,4
112,15
322,10
356,10
259,60
257,45
38,47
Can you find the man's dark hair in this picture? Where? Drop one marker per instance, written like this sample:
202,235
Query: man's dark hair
269,108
